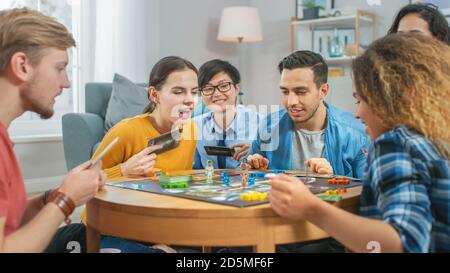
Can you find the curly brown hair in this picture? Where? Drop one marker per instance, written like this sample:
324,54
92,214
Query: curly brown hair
405,80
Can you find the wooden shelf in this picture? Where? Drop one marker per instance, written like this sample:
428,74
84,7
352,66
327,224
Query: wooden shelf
340,60
332,22
361,19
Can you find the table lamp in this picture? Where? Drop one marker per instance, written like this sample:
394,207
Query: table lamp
240,25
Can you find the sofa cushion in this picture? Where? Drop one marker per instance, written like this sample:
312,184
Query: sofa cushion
127,100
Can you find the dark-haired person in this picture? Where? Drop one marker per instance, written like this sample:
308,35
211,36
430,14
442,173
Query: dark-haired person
406,192
173,91
173,94
422,18
227,124
309,132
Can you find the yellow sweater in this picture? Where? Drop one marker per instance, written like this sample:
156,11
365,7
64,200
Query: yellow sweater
134,134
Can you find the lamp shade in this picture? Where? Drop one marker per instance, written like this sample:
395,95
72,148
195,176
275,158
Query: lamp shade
240,24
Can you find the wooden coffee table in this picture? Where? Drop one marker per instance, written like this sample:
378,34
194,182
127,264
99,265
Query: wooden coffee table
170,220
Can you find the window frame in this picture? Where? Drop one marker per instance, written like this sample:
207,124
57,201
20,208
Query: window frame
36,128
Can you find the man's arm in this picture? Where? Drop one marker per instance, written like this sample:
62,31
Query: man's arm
36,234
360,161
255,148
34,205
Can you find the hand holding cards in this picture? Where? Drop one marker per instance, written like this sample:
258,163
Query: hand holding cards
166,140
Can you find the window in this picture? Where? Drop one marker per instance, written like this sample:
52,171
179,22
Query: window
68,13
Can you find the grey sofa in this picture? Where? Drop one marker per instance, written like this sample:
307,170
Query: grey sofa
83,131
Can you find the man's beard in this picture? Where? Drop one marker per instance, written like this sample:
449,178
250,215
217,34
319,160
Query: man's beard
32,103
309,117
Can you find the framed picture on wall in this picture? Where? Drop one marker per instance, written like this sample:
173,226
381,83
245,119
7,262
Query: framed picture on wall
326,5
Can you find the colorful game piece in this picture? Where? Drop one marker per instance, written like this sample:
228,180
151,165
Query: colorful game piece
345,181
244,172
278,171
332,192
338,181
251,181
253,196
330,198
174,185
226,181
173,182
155,174
209,172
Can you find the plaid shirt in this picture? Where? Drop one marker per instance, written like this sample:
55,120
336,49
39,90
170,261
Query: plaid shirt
407,185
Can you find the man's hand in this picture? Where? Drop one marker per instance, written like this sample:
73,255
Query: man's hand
319,165
83,182
257,161
141,163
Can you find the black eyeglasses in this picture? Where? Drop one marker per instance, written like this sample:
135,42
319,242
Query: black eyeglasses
222,88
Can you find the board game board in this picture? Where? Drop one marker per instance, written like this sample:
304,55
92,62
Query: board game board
230,194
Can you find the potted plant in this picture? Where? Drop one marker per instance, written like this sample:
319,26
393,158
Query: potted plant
310,9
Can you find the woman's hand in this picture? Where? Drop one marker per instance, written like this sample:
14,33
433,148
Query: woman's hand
141,163
290,198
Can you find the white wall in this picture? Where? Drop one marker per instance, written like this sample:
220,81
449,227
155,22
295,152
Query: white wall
42,163
263,58
189,29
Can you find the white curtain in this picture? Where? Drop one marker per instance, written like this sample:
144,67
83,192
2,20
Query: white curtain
118,36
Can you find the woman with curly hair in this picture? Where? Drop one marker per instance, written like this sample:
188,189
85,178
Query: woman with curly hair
402,85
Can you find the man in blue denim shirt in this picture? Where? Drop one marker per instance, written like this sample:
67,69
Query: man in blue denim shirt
309,132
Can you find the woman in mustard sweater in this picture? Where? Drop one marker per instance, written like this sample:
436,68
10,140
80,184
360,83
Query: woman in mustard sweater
173,93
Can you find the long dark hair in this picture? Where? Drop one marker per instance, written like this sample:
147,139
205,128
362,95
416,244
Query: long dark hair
162,70
437,23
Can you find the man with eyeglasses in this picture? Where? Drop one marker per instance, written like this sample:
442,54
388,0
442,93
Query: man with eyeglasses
309,133
227,124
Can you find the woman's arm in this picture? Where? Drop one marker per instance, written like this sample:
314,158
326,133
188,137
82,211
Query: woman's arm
292,199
